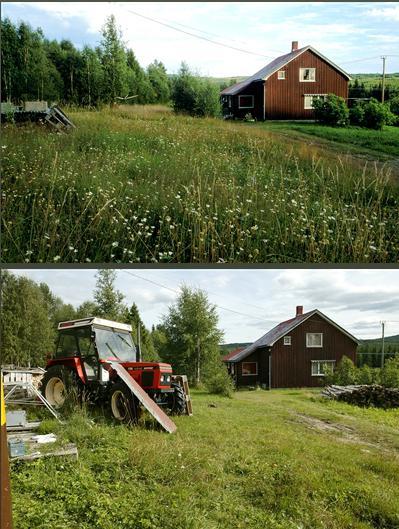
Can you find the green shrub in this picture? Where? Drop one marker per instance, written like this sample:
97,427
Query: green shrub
356,115
332,111
365,375
394,108
376,115
390,373
329,377
207,99
345,373
195,96
220,382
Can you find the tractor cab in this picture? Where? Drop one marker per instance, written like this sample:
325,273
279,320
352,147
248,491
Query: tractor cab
91,342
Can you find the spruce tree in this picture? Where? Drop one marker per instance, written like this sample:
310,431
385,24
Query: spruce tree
115,83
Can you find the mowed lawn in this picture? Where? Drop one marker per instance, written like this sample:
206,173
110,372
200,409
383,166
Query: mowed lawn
284,459
139,184
378,144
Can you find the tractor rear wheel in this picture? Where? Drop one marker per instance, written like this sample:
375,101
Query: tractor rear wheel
56,383
177,402
123,404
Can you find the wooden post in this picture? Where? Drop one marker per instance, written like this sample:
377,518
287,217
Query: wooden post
5,490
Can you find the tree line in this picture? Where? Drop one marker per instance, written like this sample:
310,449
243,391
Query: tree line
188,336
34,67
371,353
359,90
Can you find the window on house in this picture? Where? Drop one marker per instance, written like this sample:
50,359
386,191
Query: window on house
314,339
281,74
307,75
249,368
229,98
319,367
287,340
245,101
309,98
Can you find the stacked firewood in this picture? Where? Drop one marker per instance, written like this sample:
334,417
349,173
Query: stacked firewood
364,395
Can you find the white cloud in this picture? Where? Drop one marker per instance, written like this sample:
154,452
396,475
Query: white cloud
390,13
385,38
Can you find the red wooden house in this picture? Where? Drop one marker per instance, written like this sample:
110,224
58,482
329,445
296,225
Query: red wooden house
285,88
292,354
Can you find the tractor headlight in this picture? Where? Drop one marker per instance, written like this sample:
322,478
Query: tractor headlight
162,378
167,378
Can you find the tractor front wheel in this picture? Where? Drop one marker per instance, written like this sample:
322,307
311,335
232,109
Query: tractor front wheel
124,405
177,402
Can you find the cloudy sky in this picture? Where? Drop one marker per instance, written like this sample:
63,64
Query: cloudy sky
257,299
352,34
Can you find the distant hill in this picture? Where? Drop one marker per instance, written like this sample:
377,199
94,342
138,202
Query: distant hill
388,339
227,347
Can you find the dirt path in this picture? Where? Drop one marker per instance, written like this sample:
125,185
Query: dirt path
343,433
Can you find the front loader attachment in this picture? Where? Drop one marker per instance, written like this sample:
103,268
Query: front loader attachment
143,397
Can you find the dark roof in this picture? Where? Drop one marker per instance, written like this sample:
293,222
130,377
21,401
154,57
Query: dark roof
273,66
280,330
229,355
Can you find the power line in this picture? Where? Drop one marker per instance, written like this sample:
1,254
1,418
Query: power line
208,33
199,36
177,292
367,59
216,294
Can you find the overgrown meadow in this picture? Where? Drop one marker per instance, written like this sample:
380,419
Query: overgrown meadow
284,459
139,184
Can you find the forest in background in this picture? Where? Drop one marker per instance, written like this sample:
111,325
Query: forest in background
34,67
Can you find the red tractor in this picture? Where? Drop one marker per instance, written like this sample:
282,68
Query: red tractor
85,352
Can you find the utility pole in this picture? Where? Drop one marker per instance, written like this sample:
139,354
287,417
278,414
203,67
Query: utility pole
383,57
383,342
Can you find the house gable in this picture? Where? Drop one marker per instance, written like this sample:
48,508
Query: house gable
292,364
282,329
279,63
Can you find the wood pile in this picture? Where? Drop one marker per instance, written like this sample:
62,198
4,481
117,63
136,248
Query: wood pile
364,395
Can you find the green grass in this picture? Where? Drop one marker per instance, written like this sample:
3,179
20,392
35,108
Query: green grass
279,460
382,142
143,185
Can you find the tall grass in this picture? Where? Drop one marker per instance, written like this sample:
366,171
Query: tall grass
143,185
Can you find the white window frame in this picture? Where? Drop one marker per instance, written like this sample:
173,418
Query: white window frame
281,75
301,80
243,95
318,364
249,374
287,340
307,107
313,346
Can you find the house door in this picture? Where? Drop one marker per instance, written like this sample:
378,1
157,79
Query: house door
265,369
